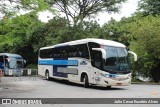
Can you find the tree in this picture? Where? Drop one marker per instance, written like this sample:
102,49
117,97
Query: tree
57,31
119,30
78,10
147,46
14,35
10,8
150,7
142,36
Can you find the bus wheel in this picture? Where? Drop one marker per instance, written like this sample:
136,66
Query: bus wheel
85,80
47,76
108,87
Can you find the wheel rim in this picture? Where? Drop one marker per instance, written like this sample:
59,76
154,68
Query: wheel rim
47,75
84,79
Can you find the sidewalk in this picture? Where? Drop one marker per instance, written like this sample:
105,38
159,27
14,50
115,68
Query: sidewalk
10,80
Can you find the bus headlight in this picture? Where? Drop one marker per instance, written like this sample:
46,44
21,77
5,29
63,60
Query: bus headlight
10,72
107,76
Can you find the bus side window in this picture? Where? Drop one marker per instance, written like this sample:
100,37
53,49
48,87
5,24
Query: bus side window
81,50
46,53
97,59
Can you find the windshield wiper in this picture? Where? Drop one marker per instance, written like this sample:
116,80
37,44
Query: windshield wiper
110,71
117,72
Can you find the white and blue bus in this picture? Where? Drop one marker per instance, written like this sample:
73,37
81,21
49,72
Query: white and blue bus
89,61
10,64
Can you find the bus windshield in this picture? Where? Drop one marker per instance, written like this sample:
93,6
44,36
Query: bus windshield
14,63
116,59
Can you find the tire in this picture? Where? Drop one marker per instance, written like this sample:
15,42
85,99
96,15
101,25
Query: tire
47,76
108,87
85,80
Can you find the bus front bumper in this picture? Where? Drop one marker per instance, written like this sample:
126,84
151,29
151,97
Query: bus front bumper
120,82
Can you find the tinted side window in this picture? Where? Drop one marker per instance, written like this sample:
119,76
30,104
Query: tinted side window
66,52
56,53
79,51
1,59
97,59
60,52
71,51
46,53
92,45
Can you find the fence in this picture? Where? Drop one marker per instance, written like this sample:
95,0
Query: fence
26,72
1,74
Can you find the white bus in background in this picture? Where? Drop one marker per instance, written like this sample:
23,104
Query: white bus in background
88,61
10,64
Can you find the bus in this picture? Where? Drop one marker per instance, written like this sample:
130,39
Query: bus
88,61
10,64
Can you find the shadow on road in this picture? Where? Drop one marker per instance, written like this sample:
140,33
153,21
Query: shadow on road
65,82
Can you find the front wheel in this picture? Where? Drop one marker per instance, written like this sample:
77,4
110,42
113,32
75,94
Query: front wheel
108,87
85,80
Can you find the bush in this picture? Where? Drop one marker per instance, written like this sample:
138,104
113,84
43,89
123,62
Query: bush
32,66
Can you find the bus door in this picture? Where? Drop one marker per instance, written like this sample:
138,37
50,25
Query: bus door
1,62
97,66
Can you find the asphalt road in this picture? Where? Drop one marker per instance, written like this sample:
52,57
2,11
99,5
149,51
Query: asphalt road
38,87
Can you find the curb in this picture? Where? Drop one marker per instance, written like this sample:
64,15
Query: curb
145,83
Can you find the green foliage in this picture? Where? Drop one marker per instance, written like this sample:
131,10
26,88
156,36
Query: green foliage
147,45
10,8
119,31
32,66
34,5
135,80
14,35
142,35
58,31
150,7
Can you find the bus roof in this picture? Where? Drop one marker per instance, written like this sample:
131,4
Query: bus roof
82,41
10,55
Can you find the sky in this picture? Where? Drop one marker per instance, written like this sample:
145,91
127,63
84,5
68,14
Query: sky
126,10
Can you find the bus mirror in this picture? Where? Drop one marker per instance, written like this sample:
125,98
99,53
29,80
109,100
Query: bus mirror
8,59
101,50
134,54
24,61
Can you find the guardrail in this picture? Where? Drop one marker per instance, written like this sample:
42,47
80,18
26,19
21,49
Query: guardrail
31,74
1,74
19,72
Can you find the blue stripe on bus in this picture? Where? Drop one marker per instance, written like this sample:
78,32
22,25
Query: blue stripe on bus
58,62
